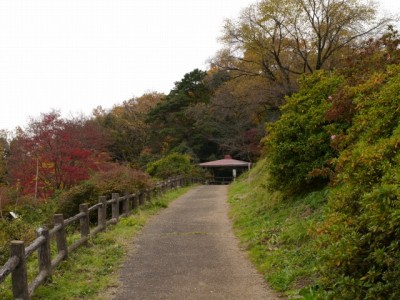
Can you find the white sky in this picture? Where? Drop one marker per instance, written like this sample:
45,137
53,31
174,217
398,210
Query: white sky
74,55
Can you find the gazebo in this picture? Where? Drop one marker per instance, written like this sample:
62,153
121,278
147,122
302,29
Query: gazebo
225,170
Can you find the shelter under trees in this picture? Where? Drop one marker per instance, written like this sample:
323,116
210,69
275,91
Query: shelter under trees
224,171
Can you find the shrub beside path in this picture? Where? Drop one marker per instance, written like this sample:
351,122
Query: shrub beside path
189,251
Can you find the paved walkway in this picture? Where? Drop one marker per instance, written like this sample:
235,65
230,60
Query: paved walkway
188,251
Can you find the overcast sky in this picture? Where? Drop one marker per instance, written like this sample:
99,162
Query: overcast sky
74,55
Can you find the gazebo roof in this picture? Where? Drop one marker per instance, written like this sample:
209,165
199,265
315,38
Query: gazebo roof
226,162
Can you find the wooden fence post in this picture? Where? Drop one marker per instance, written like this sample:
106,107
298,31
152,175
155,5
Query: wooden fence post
159,191
102,212
148,195
115,206
169,184
19,276
125,204
61,237
162,188
44,255
84,221
135,199
141,198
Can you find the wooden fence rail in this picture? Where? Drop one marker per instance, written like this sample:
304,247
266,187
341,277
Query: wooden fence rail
16,264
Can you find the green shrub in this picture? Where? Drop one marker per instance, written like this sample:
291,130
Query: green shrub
172,165
362,257
14,230
31,214
120,179
298,145
359,236
70,200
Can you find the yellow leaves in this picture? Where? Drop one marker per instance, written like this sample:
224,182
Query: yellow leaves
47,165
117,110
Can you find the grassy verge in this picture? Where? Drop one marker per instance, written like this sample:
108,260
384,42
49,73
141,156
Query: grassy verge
90,272
279,233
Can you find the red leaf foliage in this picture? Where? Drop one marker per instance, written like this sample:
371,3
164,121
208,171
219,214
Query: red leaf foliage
60,153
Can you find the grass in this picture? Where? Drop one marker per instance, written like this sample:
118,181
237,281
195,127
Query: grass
279,232
91,272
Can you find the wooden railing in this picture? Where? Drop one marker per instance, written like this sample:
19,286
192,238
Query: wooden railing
16,264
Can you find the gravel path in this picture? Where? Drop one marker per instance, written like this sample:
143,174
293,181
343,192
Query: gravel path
188,251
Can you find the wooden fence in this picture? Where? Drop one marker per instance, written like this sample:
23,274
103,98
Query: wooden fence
16,264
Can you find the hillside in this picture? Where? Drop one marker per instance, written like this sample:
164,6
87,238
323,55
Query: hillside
308,91
321,211
278,231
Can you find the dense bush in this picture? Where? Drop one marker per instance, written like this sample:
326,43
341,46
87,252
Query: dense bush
363,228
120,179
31,214
172,165
345,131
298,146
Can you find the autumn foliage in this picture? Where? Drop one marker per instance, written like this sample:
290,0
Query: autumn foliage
363,224
117,179
344,127
298,145
54,153
316,81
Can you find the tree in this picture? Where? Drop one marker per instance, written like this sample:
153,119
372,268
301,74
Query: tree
298,145
173,164
53,153
235,115
174,129
4,150
126,127
280,40
374,55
